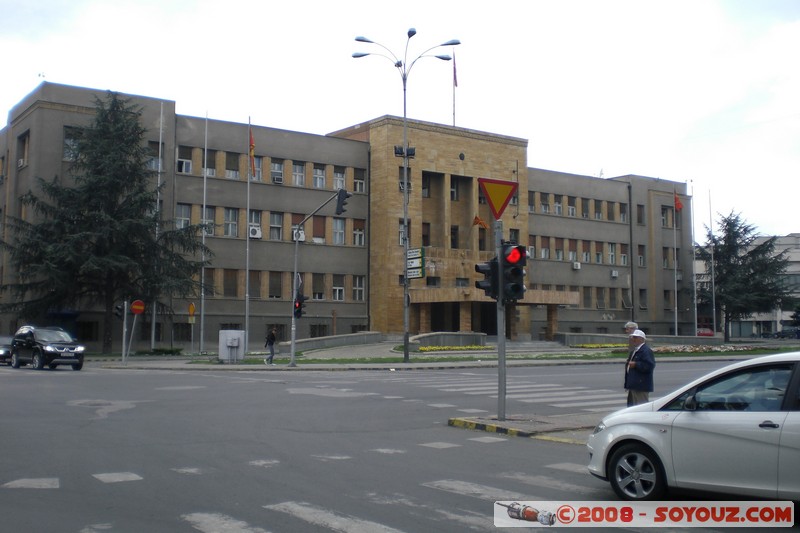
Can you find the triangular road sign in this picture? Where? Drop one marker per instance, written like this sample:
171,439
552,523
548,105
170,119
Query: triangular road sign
498,193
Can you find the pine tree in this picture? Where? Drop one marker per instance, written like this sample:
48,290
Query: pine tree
748,271
99,239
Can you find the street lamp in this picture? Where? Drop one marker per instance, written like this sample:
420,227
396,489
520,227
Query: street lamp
404,68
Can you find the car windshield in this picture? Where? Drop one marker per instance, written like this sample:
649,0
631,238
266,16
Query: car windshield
52,335
6,340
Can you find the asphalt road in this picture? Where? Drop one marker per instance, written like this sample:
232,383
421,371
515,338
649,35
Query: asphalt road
251,451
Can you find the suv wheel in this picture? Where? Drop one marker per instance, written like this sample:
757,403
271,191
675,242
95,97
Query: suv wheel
38,361
14,360
77,366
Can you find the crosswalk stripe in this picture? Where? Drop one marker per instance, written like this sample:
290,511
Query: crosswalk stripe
219,523
35,483
549,482
618,401
542,398
483,492
324,518
569,467
550,394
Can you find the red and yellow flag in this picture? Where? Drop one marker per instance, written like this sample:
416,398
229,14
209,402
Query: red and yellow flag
252,154
678,204
478,221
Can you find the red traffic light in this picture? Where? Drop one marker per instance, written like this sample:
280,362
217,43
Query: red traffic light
514,255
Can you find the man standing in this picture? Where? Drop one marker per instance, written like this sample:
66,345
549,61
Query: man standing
271,338
639,370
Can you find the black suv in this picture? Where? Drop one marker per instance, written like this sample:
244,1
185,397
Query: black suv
46,346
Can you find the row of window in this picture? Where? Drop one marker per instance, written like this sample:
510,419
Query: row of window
228,224
597,209
610,297
280,170
584,251
276,285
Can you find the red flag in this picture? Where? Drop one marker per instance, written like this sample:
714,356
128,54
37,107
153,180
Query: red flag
455,78
678,204
252,155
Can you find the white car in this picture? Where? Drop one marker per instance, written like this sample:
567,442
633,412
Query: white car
735,430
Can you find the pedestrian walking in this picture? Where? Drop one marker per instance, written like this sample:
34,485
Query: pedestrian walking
639,370
272,337
630,327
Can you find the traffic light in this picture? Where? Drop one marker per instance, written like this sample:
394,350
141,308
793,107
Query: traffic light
299,304
341,201
514,258
489,283
118,311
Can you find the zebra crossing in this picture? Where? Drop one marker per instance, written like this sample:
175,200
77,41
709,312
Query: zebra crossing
552,394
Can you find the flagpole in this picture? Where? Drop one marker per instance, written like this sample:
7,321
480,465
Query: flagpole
694,267
675,211
203,237
158,204
250,172
713,288
455,84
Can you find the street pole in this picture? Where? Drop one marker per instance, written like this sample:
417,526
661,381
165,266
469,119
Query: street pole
501,323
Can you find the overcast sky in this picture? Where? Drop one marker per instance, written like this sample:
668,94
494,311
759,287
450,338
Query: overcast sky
705,92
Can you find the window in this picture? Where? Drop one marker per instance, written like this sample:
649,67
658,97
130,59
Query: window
359,180
623,256
338,178
612,298
513,235
338,230
626,299
573,249
584,208
482,197
154,163
612,253
208,219
559,249
358,232
254,288
319,229
338,287
318,330
665,257
433,281
183,215
319,176
426,234
623,212
586,253
401,232
255,218
210,166
544,252
426,185
276,285
182,332
587,297
258,171
667,300
531,201
208,282
557,206
453,189
481,239
71,136
598,209
641,256
275,226
462,282
760,388
232,165
318,287
598,252
454,237
665,217
276,170
571,206
642,298
359,283
184,163
639,214
230,282
544,202
231,223
601,297
299,173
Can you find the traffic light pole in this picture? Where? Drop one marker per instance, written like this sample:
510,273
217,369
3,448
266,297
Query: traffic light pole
342,196
501,323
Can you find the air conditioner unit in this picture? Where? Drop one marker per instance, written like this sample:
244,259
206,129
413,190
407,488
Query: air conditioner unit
576,266
277,179
615,274
255,231
20,163
299,235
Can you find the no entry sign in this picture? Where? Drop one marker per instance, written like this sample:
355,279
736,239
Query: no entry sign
137,307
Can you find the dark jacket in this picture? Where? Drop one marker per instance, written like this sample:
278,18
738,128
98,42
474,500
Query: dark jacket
270,339
640,377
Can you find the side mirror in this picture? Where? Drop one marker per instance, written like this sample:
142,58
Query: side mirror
690,404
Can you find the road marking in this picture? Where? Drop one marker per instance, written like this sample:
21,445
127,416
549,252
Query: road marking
265,463
388,451
219,523
324,518
473,411
440,445
326,458
187,470
440,405
475,490
184,387
569,467
330,393
618,400
488,439
548,482
33,483
117,477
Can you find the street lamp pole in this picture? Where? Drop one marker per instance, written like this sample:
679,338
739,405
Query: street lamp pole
404,68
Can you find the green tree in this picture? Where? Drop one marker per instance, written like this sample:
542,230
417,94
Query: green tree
99,239
748,271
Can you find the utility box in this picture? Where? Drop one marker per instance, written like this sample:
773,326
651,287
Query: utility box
231,345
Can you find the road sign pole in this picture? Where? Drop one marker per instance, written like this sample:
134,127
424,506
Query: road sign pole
501,325
124,330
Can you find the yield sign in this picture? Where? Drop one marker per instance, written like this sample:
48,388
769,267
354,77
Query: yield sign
498,193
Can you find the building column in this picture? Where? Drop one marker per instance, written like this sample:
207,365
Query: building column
465,316
552,322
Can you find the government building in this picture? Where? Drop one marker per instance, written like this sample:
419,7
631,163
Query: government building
601,251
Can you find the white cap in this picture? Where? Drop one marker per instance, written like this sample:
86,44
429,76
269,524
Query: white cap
639,333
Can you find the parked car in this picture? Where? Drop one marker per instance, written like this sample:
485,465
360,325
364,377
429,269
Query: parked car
5,349
787,333
735,430
45,346
705,332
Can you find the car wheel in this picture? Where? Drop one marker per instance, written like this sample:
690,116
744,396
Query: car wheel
77,366
52,366
636,473
14,360
38,361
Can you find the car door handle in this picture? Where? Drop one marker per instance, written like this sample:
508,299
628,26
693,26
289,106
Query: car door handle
768,424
